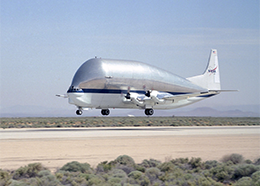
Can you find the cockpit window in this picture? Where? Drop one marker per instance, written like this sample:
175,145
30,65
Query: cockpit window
72,88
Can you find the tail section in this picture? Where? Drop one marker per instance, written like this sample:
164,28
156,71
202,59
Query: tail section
210,78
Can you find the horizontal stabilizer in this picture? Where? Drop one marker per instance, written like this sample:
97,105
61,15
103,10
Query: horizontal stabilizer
62,95
223,90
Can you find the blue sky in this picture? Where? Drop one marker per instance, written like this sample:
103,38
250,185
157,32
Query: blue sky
44,42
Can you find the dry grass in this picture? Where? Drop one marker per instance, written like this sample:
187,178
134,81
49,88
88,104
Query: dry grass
125,121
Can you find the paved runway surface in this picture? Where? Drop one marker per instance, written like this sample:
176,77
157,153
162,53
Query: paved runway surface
55,147
123,131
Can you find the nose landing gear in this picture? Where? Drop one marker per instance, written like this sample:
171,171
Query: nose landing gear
149,112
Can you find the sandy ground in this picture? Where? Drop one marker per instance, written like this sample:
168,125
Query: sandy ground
53,153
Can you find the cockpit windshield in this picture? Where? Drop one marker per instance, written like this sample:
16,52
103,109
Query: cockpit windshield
74,89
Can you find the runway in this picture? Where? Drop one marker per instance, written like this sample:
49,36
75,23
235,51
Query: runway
54,147
123,131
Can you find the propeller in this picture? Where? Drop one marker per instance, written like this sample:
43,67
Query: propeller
128,93
148,92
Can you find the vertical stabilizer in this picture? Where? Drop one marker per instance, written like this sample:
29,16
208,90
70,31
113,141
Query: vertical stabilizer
210,78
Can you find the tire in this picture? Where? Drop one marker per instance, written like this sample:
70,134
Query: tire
105,112
79,112
149,112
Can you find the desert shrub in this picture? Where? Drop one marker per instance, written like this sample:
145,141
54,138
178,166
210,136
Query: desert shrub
18,183
256,178
248,162
139,178
88,176
191,180
222,172
75,166
114,181
5,178
244,181
244,170
125,160
44,173
210,164
140,168
72,178
177,174
234,158
147,164
46,178
201,180
195,163
28,171
123,171
95,180
105,166
125,168
257,162
171,179
119,173
135,175
116,177
59,175
179,161
167,167
153,174
150,163
182,163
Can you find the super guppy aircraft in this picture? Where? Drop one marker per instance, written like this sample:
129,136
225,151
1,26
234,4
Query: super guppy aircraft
107,83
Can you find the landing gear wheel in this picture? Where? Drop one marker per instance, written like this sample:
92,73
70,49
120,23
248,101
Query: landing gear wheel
79,112
149,112
105,112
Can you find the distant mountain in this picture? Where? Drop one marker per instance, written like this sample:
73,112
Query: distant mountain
39,111
245,108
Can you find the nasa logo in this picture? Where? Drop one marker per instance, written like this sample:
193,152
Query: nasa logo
213,70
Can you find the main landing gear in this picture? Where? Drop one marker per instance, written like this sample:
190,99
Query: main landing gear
79,112
149,112
105,112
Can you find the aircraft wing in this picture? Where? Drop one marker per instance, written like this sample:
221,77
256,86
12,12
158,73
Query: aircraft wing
159,95
191,96
156,97
180,96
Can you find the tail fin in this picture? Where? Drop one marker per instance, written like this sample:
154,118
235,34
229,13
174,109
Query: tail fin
210,78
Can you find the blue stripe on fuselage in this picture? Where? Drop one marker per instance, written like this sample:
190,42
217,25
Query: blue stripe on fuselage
115,91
